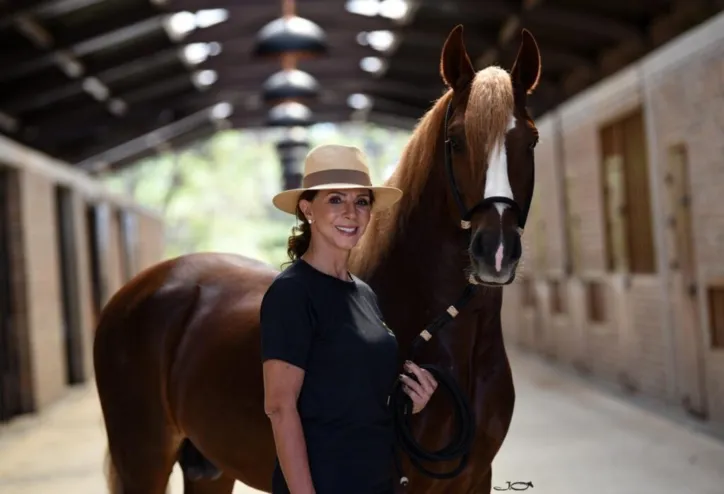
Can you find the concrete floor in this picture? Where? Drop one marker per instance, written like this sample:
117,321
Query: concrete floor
566,438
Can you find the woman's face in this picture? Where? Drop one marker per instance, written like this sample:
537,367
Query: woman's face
339,217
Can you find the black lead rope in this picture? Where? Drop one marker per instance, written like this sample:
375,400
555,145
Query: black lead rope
401,406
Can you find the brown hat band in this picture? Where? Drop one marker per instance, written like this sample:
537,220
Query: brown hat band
336,177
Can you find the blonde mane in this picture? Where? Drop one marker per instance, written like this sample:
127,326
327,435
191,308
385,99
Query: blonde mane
490,106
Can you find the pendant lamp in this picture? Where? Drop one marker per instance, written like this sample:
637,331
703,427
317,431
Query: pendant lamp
290,84
290,114
291,34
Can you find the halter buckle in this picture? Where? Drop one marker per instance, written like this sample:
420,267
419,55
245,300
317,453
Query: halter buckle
465,224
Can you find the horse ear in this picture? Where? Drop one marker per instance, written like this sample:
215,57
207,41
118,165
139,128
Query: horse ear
456,69
526,68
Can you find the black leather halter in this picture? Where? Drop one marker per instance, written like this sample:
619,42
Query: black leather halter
465,218
467,214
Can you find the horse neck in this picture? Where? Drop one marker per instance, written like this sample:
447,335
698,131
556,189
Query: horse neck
423,272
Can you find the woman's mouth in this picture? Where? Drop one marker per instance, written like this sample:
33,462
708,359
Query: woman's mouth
347,230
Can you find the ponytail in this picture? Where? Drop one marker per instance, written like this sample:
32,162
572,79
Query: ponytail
301,236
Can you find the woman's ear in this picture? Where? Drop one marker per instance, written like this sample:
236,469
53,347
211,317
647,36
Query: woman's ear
306,208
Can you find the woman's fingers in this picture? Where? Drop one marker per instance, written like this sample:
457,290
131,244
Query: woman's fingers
413,385
426,379
415,395
418,402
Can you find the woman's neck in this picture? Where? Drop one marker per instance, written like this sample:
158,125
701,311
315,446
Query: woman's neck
329,261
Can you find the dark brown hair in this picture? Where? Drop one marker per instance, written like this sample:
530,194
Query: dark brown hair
298,242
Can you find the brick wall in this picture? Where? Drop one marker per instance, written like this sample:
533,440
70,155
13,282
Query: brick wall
680,89
37,317
150,241
686,104
42,287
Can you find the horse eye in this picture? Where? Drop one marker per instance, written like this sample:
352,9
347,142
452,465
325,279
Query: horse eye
455,143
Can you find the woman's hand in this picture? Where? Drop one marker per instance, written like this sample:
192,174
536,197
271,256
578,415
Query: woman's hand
420,392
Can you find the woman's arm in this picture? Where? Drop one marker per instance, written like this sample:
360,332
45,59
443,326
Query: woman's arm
282,384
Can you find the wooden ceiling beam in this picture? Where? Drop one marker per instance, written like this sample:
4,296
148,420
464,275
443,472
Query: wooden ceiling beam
99,35
683,15
176,144
578,21
45,92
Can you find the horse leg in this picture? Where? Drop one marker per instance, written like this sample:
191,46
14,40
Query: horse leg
485,485
221,485
140,459
132,348
195,465
143,445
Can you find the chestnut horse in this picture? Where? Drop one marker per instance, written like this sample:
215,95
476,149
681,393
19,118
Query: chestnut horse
177,350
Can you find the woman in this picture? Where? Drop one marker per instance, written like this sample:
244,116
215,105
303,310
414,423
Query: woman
329,359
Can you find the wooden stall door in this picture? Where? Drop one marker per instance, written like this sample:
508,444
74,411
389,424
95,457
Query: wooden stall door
683,286
69,289
10,382
96,255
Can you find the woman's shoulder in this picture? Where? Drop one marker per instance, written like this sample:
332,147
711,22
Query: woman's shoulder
288,283
365,289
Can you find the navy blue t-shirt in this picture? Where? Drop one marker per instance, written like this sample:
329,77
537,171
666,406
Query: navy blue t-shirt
334,330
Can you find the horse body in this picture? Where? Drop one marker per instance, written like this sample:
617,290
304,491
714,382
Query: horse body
177,351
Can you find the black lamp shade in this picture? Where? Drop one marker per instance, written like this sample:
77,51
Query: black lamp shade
290,114
288,35
292,149
290,84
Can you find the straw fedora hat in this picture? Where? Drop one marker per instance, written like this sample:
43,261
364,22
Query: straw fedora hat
336,166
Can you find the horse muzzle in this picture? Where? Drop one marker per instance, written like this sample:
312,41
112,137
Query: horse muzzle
495,254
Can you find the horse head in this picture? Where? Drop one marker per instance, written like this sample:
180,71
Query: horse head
489,154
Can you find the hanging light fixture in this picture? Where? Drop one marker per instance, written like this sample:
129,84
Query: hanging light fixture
290,34
290,114
292,149
290,38
290,84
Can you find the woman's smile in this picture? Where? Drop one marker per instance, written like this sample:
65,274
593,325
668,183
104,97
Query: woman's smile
348,231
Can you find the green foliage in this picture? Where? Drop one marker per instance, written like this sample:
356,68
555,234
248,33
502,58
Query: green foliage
216,195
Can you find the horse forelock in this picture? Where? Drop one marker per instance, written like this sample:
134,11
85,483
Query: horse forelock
487,116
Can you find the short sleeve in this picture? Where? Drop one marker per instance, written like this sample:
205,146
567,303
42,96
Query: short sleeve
287,328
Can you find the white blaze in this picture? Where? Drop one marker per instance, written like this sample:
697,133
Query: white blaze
498,185
496,178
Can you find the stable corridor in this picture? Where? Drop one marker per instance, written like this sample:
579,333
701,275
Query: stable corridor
567,437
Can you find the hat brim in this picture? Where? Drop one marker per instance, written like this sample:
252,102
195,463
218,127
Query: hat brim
385,196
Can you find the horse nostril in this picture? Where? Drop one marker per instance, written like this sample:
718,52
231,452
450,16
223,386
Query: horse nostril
476,248
485,244
516,249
